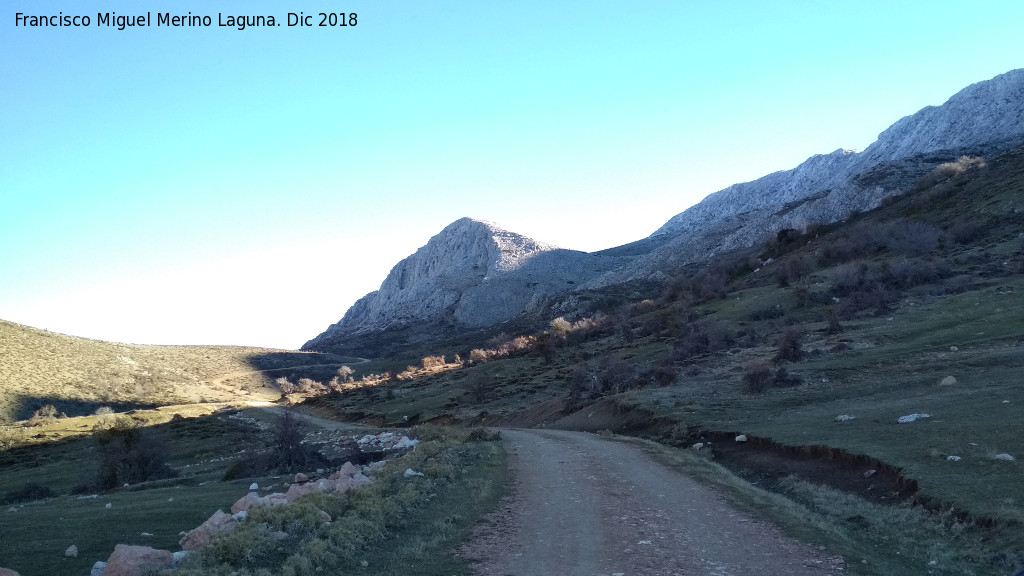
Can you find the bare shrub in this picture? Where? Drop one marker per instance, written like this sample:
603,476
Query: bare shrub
284,385
430,362
479,386
345,373
947,170
30,492
479,356
789,347
561,326
757,377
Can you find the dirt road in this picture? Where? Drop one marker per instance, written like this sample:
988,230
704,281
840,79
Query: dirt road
588,506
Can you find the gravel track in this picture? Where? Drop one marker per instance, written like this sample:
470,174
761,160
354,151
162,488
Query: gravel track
588,506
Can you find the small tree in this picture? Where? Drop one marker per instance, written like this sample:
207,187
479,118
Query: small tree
561,327
345,373
479,386
284,385
288,449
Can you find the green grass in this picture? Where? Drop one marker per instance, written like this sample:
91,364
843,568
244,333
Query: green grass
397,525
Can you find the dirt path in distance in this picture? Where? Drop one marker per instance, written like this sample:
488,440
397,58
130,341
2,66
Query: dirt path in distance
588,506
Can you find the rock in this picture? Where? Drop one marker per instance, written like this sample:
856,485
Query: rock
179,557
240,516
219,523
870,473
253,487
954,458
71,552
405,442
359,480
322,516
146,534
954,349
296,491
844,418
98,568
410,472
911,418
8,572
1004,457
136,560
246,502
947,381
347,470
301,478
698,446
108,506
741,438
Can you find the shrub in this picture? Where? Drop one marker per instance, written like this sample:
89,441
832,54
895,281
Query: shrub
284,385
429,362
479,386
129,455
345,373
757,377
561,326
43,415
789,345
29,492
478,356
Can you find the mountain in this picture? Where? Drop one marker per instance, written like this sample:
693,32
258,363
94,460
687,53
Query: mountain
476,274
472,272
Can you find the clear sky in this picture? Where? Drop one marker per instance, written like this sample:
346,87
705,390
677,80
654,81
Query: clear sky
216,186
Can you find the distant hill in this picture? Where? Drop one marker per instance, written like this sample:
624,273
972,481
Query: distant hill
78,375
474,274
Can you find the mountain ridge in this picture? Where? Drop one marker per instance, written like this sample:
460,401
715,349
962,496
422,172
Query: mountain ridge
444,279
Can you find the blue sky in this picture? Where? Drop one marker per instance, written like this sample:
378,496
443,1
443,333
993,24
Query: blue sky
217,186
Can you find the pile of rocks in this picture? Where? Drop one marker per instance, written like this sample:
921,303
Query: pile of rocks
130,560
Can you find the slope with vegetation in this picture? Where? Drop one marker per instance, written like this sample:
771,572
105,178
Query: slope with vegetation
812,346
76,376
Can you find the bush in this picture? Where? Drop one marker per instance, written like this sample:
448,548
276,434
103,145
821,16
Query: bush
479,386
29,492
129,455
429,362
757,378
789,345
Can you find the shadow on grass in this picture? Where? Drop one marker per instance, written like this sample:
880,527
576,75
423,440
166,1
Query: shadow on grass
26,406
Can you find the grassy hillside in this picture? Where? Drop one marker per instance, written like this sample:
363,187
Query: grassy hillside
77,375
914,307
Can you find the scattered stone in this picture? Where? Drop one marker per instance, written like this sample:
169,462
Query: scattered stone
954,349
98,568
240,516
698,445
947,381
88,497
1006,401
136,560
71,552
179,557
644,542
844,418
870,473
741,438
364,563
1004,457
954,458
108,506
12,509
911,417
254,486
301,478
322,516
410,472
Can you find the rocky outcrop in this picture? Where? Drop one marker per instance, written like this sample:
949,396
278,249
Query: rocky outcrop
472,272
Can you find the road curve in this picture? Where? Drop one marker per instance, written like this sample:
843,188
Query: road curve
589,506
